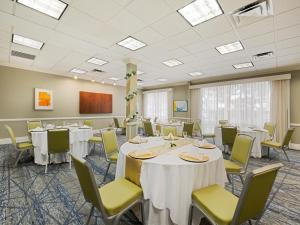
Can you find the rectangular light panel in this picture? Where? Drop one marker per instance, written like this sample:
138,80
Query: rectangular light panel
18,39
200,11
243,65
131,43
228,48
194,74
96,61
53,8
114,78
172,62
79,71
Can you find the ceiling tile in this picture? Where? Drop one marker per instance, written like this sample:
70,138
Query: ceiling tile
282,6
7,6
198,46
259,40
255,29
148,36
288,51
287,19
223,39
287,33
288,43
229,6
187,37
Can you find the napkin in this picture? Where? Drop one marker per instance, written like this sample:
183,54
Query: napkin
138,140
170,136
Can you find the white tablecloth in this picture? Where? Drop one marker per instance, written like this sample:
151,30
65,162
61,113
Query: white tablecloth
178,125
78,145
168,181
259,135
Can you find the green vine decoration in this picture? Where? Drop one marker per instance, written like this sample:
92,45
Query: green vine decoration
131,117
128,75
130,95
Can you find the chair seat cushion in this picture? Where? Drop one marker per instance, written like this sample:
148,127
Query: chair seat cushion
95,139
217,203
24,145
232,167
113,156
209,135
118,195
272,144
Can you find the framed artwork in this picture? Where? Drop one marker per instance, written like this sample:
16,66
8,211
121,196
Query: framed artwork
180,106
43,99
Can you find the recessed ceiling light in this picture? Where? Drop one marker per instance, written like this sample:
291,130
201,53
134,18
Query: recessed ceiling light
172,62
114,78
228,48
75,77
139,72
18,39
162,80
194,74
93,81
131,43
102,82
79,71
200,11
243,65
53,8
96,61
263,55
115,84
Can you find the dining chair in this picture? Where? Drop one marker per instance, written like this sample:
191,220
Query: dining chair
188,128
284,146
169,130
223,122
270,127
58,143
88,123
112,200
221,207
206,135
148,128
117,125
19,147
111,149
197,128
239,158
33,124
158,128
228,137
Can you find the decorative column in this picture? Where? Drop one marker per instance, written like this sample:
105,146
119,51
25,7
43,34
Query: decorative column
131,101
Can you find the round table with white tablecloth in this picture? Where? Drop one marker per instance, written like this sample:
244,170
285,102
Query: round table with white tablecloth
177,125
259,135
78,139
168,181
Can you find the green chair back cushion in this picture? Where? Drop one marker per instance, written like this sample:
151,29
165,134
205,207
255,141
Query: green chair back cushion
270,127
148,128
188,128
116,121
88,123
58,141
11,134
110,142
33,124
241,149
288,137
228,135
168,130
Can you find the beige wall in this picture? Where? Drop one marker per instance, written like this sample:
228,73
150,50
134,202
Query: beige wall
17,97
182,93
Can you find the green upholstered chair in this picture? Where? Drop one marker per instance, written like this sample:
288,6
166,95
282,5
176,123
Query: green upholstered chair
88,123
58,143
188,128
111,148
228,137
118,126
167,130
270,127
158,128
238,162
280,146
197,128
221,207
19,147
113,199
33,124
148,128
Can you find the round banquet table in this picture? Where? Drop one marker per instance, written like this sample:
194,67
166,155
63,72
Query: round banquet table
78,138
168,181
259,135
177,125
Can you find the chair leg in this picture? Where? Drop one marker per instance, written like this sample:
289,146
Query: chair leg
19,154
107,169
90,215
242,179
142,213
285,154
191,215
232,185
249,221
70,158
229,179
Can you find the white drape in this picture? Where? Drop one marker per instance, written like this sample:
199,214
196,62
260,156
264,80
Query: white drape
157,104
244,104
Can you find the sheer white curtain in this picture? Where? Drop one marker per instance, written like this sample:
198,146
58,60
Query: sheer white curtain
244,104
157,104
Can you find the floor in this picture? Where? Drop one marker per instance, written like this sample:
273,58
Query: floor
28,196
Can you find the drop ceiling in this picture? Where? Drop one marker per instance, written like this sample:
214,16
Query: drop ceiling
92,28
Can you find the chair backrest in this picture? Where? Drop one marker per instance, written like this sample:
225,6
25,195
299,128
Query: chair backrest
88,123
288,137
241,149
148,128
110,142
223,122
197,126
270,127
116,121
228,135
58,141
188,128
87,183
168,130
158,128
255,193
11,135
33,124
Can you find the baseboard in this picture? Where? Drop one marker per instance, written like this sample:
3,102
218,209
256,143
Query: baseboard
6,141
294,146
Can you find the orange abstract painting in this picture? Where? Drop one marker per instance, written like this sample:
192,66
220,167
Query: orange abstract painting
43,99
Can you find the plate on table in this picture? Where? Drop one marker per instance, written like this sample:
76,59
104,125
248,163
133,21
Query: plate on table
135,141
143,154
193,157
206,146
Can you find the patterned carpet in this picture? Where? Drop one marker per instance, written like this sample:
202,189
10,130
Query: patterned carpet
28,196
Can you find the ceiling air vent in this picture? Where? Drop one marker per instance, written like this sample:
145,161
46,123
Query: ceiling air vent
139,80
22,55
98,71
252,12
263,55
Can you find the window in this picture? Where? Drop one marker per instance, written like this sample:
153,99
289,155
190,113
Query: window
245,104
156,105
